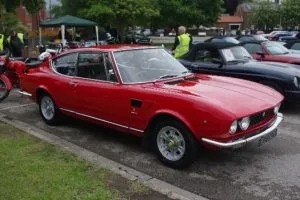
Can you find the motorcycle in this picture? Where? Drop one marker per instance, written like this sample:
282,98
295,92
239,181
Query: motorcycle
11,69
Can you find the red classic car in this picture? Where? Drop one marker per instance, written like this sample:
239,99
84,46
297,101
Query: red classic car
146,92
271,51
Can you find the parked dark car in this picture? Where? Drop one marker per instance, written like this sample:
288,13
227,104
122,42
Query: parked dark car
232,60
277,36
222,39
271,51
136,38
247,38
293,44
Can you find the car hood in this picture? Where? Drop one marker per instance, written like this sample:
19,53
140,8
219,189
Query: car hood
284,68
239,97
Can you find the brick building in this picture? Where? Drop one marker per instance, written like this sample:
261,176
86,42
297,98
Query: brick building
32,22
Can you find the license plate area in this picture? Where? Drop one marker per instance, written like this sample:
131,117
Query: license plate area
266,138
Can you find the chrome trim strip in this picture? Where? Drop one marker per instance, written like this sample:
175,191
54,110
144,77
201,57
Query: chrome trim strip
243,142
102,120
24,93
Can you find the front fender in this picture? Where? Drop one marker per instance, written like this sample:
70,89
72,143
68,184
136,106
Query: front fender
7,81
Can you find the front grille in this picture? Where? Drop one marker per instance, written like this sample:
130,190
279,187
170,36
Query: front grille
257,118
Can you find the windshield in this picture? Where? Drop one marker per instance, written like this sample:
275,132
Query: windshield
146,65
276,48
260,38
235,54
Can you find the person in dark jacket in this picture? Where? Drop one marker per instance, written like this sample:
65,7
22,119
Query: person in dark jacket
16,44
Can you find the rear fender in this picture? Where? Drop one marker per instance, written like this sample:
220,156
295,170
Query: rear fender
8,82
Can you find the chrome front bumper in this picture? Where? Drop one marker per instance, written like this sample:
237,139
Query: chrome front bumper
242,142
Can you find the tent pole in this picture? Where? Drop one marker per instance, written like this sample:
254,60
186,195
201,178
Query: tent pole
40,35
63,35
97,35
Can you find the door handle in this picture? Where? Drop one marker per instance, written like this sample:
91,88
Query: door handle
73,84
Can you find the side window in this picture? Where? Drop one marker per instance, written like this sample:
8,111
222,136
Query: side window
66,64
253,48
111,75
206,56
296,46
91,65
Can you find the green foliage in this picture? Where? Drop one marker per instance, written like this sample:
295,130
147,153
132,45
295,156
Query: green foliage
266,15
33,6
290,12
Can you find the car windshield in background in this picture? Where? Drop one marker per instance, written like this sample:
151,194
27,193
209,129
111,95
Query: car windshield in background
235,54
276,48
147,65
260,38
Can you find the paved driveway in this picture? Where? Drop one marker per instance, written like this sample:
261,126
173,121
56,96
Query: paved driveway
269,172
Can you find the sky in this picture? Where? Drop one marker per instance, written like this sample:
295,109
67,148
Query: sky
53,2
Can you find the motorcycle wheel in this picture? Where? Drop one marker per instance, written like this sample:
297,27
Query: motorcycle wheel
4,91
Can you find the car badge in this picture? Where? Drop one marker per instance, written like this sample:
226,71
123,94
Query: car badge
264,114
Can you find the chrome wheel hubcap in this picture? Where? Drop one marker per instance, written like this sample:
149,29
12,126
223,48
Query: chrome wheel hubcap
47,107
171,143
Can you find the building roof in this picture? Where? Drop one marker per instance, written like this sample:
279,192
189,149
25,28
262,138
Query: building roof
230,19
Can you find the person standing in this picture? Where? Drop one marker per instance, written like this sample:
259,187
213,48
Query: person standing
182,42
16,44
2,45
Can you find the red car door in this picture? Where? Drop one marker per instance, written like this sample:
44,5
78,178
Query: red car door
98,94
60,83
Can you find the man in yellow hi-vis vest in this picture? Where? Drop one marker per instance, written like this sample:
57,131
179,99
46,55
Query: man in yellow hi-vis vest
1,42
182,42
16,44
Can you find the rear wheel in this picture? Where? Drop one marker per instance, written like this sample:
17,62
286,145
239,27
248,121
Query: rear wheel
174,144
4,91
48,109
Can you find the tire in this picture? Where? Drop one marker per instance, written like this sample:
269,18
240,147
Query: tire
164,148
48,109
272,85
4,92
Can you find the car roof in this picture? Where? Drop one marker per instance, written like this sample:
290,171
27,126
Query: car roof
208,46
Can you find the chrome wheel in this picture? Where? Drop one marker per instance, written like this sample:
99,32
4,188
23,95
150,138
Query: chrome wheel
47,108
171,143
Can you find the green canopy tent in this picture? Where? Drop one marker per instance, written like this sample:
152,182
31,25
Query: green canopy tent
67,21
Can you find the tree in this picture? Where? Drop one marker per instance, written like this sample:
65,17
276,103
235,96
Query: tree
33,6
266,15
290,13
121,13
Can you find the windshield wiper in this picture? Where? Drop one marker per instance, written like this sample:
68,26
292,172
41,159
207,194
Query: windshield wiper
166,76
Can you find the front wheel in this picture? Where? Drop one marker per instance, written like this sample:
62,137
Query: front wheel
48,109
4,91
174,144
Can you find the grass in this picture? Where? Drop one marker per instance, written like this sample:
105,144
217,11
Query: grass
32,169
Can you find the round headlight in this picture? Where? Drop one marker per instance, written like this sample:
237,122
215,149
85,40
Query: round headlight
244,123
296,83
276,109
2,63
233,127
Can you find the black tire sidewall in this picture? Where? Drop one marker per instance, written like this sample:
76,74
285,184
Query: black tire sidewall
190,144
6,93
55,117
